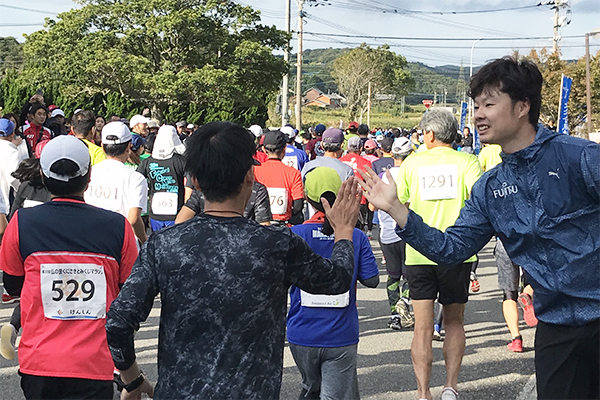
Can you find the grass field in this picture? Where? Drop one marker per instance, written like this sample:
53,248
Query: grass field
381,117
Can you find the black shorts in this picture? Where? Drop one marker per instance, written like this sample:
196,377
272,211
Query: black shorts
567,361
47,387
394,254
452,284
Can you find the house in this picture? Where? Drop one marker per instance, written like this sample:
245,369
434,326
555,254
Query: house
316,98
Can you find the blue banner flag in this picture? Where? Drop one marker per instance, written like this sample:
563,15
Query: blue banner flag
563,116
463,115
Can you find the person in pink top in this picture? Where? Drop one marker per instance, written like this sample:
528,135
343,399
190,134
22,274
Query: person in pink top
370,151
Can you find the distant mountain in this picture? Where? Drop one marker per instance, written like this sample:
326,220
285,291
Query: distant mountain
429,81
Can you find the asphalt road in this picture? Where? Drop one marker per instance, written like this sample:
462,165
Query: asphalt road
489,370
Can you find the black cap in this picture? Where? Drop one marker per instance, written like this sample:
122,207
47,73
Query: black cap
363,129
274,139
386,144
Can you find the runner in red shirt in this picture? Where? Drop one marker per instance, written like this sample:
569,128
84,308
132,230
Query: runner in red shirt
67,275
283,183
35,132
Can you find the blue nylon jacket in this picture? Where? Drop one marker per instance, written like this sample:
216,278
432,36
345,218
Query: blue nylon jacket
543,203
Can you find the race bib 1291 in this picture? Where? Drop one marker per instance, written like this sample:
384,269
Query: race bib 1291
438,182
73,291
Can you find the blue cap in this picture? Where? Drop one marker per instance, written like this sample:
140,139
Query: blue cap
320,128
6,127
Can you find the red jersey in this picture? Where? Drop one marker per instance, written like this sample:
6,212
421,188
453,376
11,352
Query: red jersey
35,134
284,185
357,163
73,257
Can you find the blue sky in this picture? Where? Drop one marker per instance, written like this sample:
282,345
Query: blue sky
396,18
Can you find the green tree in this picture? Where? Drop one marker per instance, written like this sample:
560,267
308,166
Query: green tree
211,57
383,69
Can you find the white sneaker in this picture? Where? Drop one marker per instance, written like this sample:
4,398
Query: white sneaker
8,337
449,393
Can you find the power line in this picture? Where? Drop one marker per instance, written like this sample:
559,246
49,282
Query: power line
37,24
397,10
29,9
436,39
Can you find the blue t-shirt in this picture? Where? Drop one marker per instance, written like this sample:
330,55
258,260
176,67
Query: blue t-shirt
294,157
329,327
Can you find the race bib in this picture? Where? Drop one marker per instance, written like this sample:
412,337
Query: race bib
164,203
290,161
104,196
31,203
73,291
324,300
278,197
438,182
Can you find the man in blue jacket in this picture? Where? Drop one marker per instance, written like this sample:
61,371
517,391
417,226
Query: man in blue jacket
543,202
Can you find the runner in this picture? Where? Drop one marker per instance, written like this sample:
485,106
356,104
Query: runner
437,183
139,125
115,187
354,160
283,183
83,124
294,157
543,203
386,161
394,251
332,140
224,303
165,172
323,329
63,351
35,132
313,147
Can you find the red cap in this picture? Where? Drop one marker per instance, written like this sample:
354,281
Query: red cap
353,125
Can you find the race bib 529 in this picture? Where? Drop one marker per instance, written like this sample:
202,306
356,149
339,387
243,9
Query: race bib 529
73,291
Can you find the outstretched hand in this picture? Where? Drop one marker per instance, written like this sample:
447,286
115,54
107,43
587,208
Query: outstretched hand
344,213
382,195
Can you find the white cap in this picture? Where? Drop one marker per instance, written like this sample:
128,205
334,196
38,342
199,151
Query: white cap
401,146
288,131
138,119
65,147
256,130
76,111
57,111
153,124
191,126
115,133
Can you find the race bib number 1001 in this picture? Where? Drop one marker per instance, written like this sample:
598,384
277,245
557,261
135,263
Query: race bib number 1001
438,182
73,291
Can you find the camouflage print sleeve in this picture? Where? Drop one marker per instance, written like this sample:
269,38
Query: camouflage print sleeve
132,306
315,274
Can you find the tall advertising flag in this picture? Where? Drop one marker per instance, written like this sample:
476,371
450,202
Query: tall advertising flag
563,117
463,115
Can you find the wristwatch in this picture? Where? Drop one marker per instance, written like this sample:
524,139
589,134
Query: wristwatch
131,386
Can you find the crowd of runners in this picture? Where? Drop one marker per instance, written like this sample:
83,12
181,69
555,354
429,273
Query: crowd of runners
100,216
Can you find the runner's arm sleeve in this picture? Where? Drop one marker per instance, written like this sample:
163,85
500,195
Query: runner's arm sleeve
471,231
297,206
262,207
132,306
10,253
129,252
368,272
13,284
315,274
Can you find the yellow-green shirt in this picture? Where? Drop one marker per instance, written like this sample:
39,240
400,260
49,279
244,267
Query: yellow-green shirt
489,156
421,148
436,183
96,152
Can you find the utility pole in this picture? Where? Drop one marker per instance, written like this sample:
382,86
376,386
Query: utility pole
299,66
369,106
556,36
286,78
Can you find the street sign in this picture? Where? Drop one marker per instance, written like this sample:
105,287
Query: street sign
427,103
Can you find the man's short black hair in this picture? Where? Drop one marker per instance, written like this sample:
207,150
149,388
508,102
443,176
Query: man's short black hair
521,80
83,122
34,107
73,186
115,150
219,156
